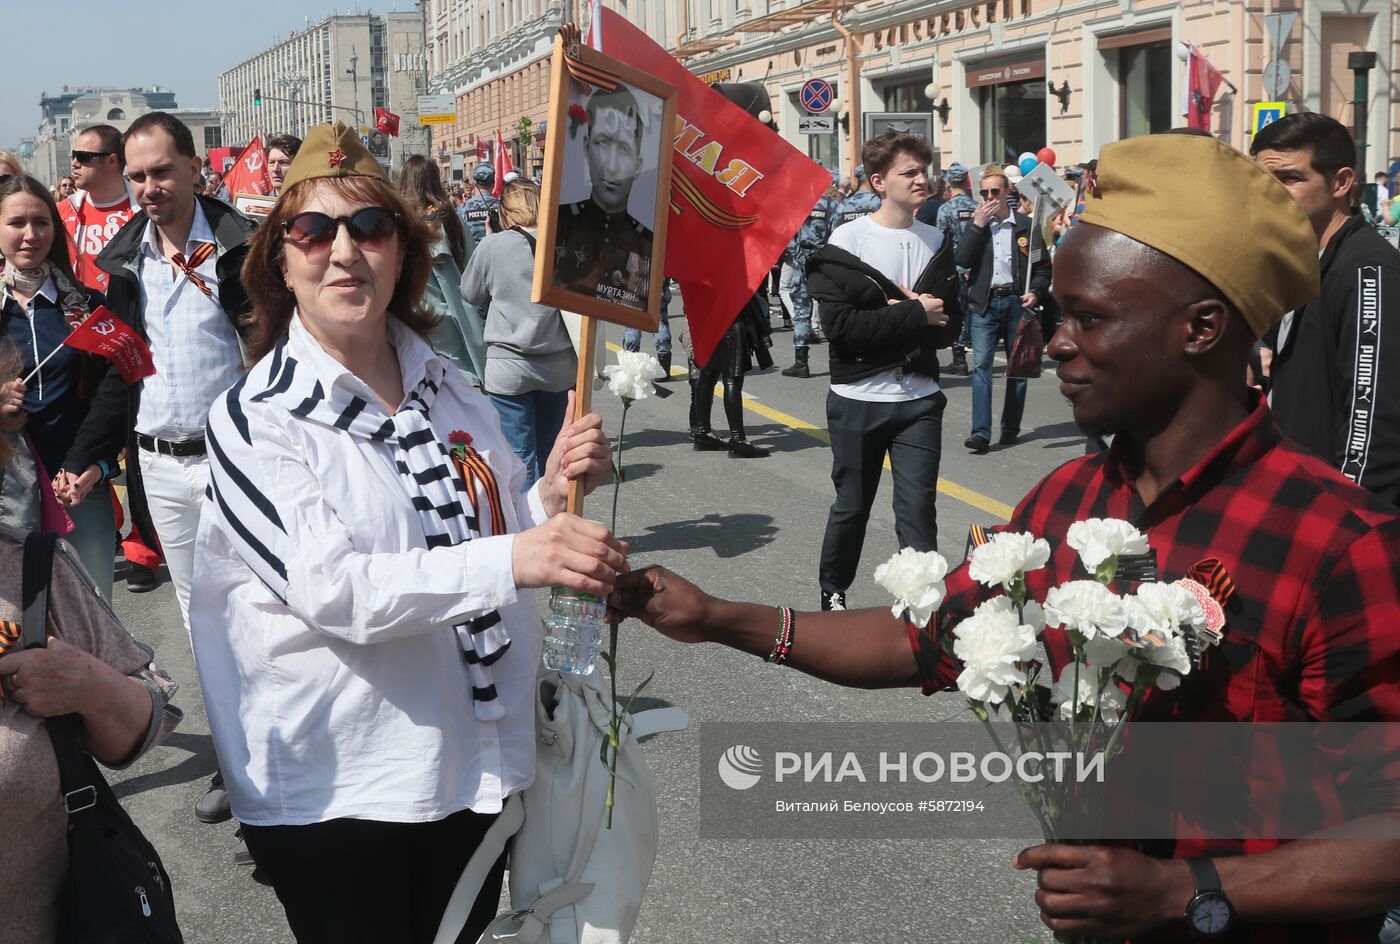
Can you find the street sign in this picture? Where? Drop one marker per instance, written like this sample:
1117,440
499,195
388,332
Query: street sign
1044,183
1277,75
437,109
816,95
816,124
1279,26
1266,113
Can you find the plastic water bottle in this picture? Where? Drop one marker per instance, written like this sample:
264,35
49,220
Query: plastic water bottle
573,635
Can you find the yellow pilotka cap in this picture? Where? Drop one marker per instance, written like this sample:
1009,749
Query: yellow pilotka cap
1214,210
331,151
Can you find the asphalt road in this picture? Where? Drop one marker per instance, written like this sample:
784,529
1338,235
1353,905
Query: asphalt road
747,529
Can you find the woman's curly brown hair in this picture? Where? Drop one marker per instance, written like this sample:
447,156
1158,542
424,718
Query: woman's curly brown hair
265,279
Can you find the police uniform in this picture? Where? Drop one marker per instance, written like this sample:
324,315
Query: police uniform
861,203
810,237
475,211
606,255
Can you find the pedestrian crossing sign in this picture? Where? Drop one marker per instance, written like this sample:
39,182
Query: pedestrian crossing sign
1266,113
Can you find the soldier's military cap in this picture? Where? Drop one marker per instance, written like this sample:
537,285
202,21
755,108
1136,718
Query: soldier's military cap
331,151
1228,220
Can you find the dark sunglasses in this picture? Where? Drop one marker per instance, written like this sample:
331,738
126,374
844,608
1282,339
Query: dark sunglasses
988,194
369,226
87,157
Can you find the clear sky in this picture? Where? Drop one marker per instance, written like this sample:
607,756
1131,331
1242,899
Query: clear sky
133,43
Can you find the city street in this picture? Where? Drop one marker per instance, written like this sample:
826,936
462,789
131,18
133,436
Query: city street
747,529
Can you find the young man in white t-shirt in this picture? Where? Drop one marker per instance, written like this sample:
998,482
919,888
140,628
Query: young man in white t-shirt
888,291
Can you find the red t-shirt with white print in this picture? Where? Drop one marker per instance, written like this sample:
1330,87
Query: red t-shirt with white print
90,228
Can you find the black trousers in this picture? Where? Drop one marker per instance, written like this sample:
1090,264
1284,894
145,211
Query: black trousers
862,433
351,880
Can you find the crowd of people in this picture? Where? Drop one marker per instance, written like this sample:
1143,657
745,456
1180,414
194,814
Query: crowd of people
354,457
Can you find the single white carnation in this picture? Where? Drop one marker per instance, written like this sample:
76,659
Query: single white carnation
993,647
1160,610
1098,539
1087,607
1007,556
631,377
915,579
1065,694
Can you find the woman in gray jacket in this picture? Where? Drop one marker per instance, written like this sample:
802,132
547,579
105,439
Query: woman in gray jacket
530,360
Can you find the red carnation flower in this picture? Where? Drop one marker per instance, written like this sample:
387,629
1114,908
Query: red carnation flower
578,112
459,437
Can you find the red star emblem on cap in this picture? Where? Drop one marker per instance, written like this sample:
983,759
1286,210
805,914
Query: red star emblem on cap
337,157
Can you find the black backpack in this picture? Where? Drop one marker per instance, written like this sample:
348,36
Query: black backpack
117,891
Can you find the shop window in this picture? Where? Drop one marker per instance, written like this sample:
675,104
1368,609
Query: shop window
907,96
1145,89
1013,119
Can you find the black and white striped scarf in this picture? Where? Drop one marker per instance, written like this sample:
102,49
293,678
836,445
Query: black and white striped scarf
423,463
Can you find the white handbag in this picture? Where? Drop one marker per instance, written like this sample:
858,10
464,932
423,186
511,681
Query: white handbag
572,880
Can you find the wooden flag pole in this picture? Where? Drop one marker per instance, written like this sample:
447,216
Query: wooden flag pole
583,397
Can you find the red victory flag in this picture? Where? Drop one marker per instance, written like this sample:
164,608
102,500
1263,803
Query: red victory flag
249,173
503,165
481,150
1202,82
738,191
106,335
386,121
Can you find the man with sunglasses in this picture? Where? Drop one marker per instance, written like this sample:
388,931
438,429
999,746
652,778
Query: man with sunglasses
174,277
995,250
102,203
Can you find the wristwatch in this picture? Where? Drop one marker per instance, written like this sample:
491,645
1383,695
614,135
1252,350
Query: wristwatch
1209,914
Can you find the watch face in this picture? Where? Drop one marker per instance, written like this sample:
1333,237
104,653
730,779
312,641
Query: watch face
1210,914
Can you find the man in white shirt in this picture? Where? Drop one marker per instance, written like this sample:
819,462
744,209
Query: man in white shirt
995,250
887,287
175,279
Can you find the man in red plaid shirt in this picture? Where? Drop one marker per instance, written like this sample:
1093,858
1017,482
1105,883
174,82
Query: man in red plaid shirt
1165,284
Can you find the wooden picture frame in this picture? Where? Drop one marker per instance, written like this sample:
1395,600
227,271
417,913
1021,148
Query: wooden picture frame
590,260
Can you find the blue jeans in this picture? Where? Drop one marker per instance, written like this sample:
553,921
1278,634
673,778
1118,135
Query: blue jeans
987,328
632,337
531,422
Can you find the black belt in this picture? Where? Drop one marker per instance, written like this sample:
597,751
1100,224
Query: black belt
180,448
1003,291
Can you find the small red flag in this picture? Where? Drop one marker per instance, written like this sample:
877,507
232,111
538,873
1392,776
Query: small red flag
503,165
106,335
386,121
481,150
1202,82
249,173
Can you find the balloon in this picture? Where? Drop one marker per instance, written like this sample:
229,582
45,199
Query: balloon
1024,155
1046,156
1028,164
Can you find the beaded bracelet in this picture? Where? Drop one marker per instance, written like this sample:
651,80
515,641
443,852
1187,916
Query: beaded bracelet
782,646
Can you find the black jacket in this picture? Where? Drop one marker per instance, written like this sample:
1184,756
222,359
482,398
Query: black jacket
119,259
975,254
1336,380
869,335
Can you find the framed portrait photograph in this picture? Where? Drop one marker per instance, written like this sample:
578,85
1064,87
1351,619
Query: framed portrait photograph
606,192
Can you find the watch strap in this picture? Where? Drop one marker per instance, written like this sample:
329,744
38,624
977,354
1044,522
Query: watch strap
1203,872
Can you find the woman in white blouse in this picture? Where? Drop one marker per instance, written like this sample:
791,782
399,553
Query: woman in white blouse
359,614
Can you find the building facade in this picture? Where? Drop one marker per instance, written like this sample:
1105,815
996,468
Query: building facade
68,112
340,68
1009,76
493,56
1016,75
